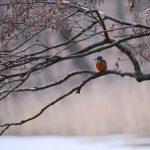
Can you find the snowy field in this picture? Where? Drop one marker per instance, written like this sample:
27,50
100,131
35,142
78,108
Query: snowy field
74,143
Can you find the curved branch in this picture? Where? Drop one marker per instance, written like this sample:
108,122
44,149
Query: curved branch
122,22
38,88
129,53
76,89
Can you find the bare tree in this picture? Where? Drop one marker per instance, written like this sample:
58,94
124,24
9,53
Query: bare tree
22,20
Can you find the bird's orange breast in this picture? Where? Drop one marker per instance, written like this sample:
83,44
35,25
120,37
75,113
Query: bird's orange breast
100,66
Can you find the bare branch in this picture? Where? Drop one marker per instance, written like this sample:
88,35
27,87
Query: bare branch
109,17
76,89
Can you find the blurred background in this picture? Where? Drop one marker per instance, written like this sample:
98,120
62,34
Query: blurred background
109,105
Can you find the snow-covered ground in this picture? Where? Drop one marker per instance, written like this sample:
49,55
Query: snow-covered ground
74,143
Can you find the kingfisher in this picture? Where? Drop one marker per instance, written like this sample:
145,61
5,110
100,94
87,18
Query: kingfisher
100,64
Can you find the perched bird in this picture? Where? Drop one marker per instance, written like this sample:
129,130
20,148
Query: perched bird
100,64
